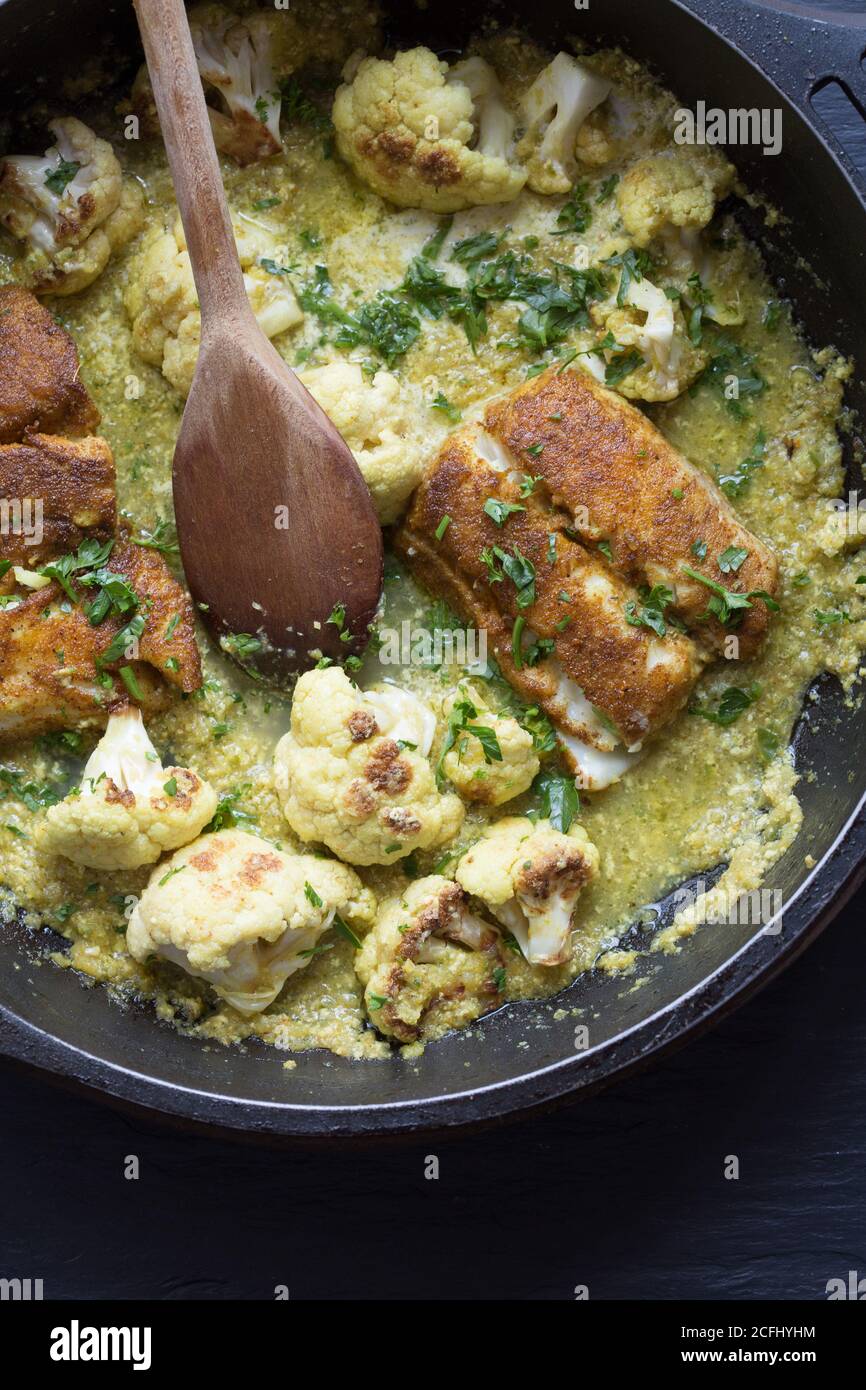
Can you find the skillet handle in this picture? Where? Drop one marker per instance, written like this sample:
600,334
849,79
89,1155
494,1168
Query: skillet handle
800,47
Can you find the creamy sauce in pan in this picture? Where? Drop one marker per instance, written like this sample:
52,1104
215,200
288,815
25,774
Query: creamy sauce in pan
701,795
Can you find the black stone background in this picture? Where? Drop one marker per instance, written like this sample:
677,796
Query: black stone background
624,1193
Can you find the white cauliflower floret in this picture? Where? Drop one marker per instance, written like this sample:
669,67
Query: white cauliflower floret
244,65
162,303
344,783
426,137
129,809
402,716
530,877
419,978
234,911
494,122
472,764
674,189
71,205
555,107
382,424
651,324
235,61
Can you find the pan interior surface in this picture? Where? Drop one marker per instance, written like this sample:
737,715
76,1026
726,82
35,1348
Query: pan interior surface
528,1052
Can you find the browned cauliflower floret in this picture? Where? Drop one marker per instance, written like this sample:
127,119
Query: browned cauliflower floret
429,964
530,877
233,910
352,773
555,108
71,206
424,136
674,189
246,63
129,809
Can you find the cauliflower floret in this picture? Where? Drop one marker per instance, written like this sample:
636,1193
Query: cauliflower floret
419,979
235,62
162,303
677,188
530,877
234,911
71,205
555,107
344,783
402,716
382,424
472,764
129,809
426,137
245,63
654,326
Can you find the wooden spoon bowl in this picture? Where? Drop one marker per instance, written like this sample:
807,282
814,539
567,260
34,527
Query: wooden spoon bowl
276,528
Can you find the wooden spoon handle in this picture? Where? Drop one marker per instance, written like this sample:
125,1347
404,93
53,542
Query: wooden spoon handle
193,159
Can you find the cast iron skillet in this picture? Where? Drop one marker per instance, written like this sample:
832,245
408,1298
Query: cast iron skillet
525,1055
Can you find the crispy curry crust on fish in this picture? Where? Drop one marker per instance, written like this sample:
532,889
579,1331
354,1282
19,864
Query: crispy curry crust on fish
637,680
66,491
40,386
620,481
49,651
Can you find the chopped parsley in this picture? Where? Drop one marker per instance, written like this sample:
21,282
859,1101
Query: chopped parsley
732,558
732,702
734,484
345,930
575,215
734,361
725,604
459,725
451,412
228,813
650,612
58,178
312,896
559,799
499,512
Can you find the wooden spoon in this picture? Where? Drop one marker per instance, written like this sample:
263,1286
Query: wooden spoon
276,527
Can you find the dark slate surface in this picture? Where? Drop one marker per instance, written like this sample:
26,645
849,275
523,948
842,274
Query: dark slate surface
624,1193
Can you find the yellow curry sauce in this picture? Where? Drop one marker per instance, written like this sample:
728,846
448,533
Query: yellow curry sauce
703,794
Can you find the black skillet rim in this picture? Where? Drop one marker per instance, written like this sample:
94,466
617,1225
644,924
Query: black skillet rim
814,906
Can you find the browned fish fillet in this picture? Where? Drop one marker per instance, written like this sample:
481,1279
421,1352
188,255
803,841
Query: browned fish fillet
49,676
607,684
622,483
40,388
53,493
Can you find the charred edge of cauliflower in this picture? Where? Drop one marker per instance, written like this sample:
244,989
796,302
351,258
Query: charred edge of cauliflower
468,766
428,954
129,809
530,877
235,62
348,777
71,205
382,425
426,137
234,911
555,107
